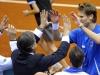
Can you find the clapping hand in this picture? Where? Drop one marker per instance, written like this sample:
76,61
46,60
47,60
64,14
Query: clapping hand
43,18
11,30
54,16
66,25
4,23
76,18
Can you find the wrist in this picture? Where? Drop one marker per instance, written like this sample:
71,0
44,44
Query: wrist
66,33
81,25
55,26
38,32
12,39
55,22
41,26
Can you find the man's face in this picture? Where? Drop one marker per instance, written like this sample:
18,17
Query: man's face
84,18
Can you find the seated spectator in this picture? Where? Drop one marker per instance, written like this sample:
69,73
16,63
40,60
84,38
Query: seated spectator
76,57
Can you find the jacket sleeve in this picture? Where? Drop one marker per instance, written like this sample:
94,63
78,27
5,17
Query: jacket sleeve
47,61
37,33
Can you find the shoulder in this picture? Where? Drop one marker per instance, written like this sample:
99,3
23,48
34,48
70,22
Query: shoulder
97,28
14,53
75,32
62,73
83,73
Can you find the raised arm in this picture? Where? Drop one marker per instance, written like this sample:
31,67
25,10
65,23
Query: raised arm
3,24
5,62
37,32
60,53
11,31
91,34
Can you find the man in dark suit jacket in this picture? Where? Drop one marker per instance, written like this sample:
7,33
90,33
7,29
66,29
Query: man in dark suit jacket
26,61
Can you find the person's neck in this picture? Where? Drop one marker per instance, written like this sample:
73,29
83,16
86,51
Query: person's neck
91,26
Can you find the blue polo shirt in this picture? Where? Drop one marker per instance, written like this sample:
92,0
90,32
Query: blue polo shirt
91,50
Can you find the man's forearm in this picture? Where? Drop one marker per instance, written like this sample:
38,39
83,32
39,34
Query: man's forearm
91,34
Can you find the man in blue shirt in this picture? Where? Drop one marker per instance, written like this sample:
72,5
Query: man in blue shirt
87,17
76,57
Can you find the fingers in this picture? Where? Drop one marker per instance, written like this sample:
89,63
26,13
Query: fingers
66,19
4,19
54,13
4,22
11,26
11,29
66,24
43,18
44,13
54,16
75,17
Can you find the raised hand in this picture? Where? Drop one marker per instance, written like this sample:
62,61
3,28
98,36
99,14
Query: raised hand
76,18
11,32
66,25
4,23
54,16
43,18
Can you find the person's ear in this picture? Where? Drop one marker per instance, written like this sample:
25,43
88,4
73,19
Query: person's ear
91,17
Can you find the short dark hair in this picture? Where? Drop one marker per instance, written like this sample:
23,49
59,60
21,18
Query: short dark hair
88,9
76,56
26,41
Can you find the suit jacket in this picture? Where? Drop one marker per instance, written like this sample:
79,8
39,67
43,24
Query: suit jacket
30,63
